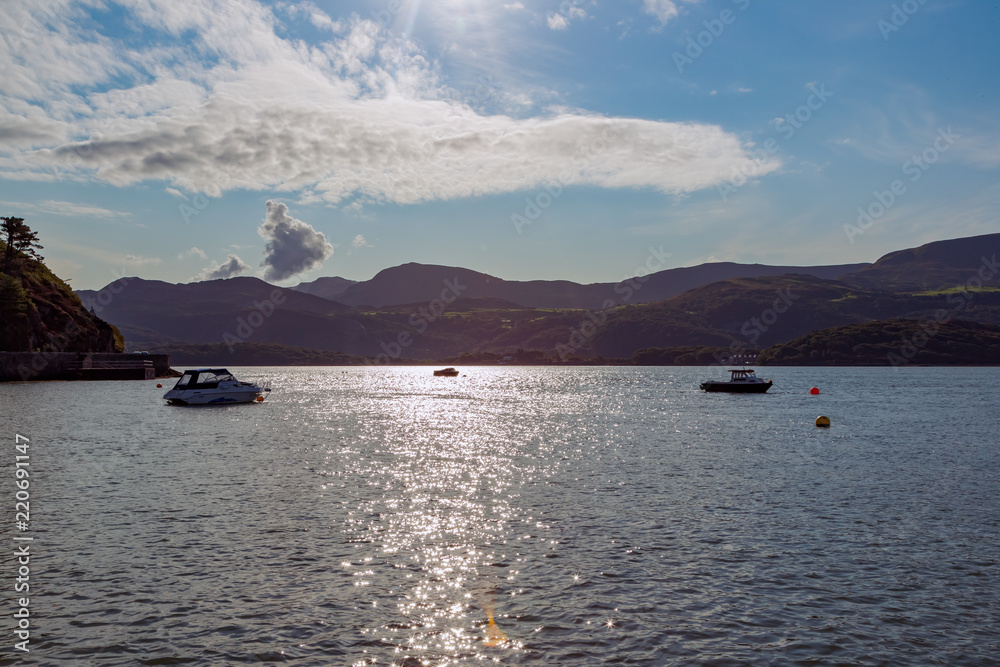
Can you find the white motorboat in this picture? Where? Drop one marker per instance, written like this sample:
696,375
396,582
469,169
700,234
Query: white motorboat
212,386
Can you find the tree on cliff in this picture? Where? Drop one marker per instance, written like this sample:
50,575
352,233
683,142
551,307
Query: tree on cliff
20,240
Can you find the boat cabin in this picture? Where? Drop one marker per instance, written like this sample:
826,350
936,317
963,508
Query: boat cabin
204,378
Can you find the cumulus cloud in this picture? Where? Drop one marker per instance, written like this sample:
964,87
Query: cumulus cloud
194,252
360,242
359,117
292,247
233,266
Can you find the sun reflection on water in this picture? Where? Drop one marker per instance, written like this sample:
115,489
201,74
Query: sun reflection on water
444,457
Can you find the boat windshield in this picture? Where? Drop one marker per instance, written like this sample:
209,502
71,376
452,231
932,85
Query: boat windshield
203,379
219,375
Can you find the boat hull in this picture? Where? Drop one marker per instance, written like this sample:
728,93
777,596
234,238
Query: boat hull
209,397
737,387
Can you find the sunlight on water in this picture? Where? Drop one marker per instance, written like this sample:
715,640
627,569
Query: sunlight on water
443,513
520,516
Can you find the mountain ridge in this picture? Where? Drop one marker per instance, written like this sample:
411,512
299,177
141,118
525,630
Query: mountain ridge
443,312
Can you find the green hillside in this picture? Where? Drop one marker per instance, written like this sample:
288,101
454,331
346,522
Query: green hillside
892,343
40,313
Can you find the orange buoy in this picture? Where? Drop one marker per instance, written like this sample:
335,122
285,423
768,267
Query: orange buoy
823,421
814,391
159,386
260,399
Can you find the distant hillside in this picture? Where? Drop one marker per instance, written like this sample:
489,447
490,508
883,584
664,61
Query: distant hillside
415,283
327,288
753,313
154,313
253,354
892,343
40,313
438,312
933,266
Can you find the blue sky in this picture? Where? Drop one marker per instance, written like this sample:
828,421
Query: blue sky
528,139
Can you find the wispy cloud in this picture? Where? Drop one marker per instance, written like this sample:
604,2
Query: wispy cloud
139,260
663,11
193,252
569,11
361,116
65,208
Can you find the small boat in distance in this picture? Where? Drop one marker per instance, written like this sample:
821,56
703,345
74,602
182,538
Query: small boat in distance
742,381
446,372
212,386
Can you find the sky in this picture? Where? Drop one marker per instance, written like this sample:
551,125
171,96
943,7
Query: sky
186,140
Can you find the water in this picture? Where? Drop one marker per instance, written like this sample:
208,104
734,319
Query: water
598,515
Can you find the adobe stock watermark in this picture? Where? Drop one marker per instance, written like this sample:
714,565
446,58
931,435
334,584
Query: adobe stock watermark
420,320
787,126
914,168
988,271
755,326
899,16
535,206
714,28
245,327
587,328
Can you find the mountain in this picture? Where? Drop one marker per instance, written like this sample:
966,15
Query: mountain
39,312
428,312
753,313
231,311
892,343
416,283
934,266
328,287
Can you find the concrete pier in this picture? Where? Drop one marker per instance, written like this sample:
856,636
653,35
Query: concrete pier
32,366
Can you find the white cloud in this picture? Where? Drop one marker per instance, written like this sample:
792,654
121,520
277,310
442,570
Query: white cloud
66,208
360,117
360,242
568,11
316,16
513,6
233,266
557,22
193,252
663,11
139,260
293,246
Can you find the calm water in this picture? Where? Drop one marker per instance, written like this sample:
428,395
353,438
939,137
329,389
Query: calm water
598,515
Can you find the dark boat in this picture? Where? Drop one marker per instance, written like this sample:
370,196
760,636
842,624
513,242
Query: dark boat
742,381
446,372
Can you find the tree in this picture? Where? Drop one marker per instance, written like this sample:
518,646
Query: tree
20,240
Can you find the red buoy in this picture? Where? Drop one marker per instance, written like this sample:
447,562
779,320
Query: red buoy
814,391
